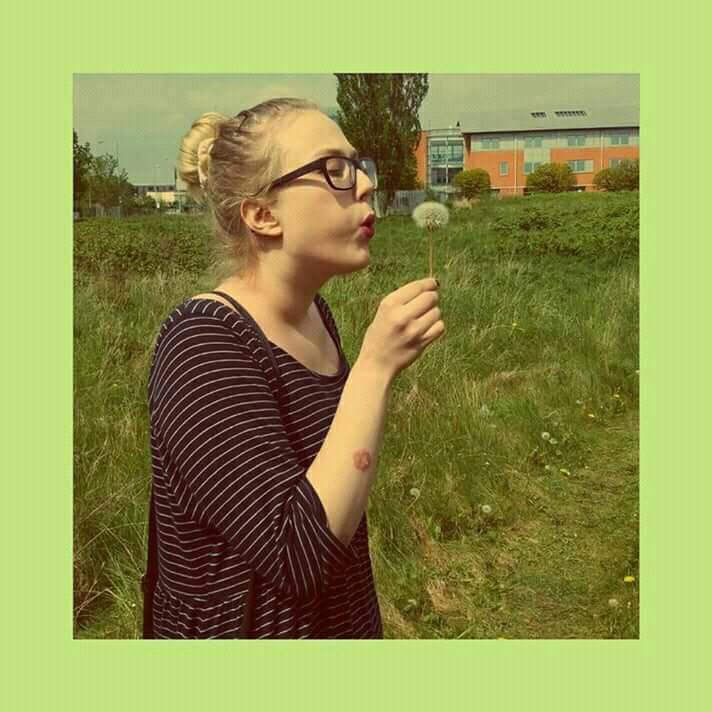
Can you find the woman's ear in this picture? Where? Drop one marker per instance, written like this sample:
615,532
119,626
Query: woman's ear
260,218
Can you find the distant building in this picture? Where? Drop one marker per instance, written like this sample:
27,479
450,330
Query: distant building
164,193
167,193
510,145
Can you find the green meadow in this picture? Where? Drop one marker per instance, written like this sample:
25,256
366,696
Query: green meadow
506,501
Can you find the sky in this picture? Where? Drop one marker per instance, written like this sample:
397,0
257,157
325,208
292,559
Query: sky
143,117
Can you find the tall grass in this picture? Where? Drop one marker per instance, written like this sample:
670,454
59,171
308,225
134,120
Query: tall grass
536,342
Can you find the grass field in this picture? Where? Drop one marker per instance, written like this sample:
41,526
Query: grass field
506,503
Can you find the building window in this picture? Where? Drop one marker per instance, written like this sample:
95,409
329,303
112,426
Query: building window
620,139
440,151
437,152
490,143
530,167
581,166
532,142
438,176
577,140
452,172
504,168
614,162
455,153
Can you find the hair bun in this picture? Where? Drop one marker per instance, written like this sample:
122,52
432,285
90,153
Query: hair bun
204,149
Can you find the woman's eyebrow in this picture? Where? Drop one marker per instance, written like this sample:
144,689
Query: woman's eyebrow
338,151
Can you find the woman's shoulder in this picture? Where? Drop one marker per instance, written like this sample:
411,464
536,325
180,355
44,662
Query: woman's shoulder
199,311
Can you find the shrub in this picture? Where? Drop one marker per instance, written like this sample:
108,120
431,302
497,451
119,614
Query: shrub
605,179
629,172
142,244
625,176
551,178
583,224
472,183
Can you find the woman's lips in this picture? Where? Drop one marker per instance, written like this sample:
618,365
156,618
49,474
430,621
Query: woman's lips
368,231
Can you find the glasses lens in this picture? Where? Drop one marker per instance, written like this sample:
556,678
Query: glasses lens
370,167
341,172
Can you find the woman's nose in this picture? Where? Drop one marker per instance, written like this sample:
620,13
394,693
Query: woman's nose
364,185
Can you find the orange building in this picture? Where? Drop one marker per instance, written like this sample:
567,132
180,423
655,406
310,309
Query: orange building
510,145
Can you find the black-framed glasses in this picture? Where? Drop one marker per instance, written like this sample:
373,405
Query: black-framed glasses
339,171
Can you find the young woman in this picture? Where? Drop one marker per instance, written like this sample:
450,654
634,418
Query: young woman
261,475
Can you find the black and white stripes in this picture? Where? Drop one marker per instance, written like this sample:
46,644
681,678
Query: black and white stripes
229,463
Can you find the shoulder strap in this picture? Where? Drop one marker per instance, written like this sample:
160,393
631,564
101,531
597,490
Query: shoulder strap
258,330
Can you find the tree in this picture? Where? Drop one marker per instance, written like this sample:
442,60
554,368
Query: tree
605,179
551,178
472,183
378,114
629,174
109,186
624,176
82,168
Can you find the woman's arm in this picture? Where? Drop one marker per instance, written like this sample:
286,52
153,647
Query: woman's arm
345,467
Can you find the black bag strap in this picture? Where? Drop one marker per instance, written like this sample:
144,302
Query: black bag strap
258,330
150,578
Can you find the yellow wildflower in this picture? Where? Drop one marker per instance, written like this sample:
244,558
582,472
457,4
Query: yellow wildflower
629,579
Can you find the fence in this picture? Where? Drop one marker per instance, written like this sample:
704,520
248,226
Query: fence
406,201
97,211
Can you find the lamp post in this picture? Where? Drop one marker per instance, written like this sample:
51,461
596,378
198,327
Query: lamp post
158,165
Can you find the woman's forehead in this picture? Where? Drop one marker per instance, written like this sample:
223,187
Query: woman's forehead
313,134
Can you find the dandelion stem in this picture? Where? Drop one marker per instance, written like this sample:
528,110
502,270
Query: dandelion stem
430,241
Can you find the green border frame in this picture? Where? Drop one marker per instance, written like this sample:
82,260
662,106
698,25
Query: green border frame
45,669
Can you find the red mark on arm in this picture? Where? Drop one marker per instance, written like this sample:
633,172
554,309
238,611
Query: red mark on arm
362,460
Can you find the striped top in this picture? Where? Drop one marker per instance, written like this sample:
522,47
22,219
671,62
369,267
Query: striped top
229,456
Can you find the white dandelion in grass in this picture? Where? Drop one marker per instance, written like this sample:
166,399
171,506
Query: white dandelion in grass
431,216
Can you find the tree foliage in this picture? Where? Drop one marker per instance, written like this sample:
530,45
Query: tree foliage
109,185
82,167
625,176
471,183
98,179
551,178
378,114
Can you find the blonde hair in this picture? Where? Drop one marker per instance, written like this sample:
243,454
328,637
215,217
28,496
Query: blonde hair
224,160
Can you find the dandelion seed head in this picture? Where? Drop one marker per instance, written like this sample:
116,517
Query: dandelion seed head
415,492
613,602
486,509
545,436
431,215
